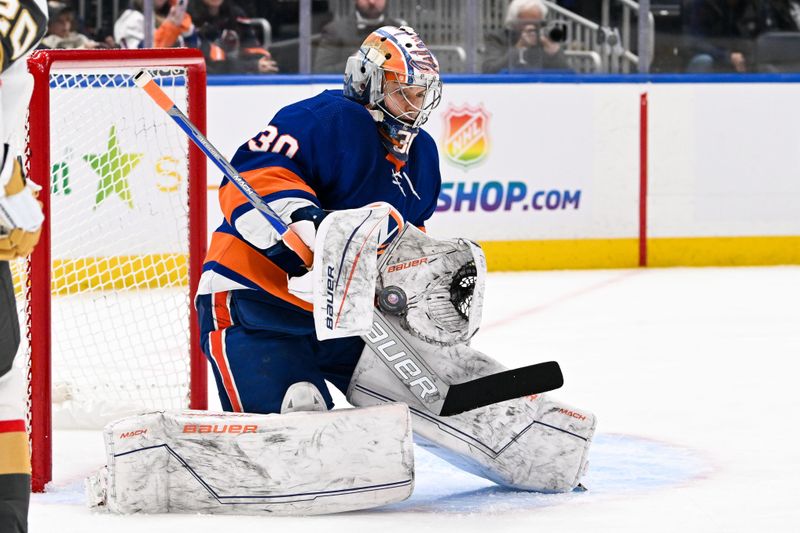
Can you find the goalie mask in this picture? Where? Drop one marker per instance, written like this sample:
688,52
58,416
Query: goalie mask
397,78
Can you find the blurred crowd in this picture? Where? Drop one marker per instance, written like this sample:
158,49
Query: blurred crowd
262,36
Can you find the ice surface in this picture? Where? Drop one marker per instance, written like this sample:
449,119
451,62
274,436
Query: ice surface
691,372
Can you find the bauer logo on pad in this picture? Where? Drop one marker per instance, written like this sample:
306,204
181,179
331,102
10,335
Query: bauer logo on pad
466,137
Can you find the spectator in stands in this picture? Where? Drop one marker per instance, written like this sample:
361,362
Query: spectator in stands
227,40
173,25
60,25
780,15
343,35
721,33
522,46
589,9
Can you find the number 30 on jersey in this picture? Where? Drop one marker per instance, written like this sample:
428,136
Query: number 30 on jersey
269,141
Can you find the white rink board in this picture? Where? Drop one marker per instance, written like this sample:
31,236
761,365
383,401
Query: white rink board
724,159
721,157
516,155
586,146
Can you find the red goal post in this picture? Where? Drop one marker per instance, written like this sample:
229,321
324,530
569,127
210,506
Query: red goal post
108,291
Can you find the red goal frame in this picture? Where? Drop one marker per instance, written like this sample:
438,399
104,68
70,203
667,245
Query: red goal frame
38,295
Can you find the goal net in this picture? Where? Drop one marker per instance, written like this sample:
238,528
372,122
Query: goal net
105,299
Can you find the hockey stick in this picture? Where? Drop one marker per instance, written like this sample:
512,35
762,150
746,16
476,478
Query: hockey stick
440,398
508,385
145,81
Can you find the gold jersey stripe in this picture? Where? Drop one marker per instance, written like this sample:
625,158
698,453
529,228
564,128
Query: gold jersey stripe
14,454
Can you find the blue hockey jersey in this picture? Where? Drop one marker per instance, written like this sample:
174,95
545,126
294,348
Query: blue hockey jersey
326,151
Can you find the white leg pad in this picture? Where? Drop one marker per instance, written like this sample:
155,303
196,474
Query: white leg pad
531,443
300,463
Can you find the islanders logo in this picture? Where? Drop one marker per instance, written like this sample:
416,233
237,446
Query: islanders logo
466,138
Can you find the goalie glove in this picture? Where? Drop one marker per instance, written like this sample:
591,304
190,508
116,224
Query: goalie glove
20,213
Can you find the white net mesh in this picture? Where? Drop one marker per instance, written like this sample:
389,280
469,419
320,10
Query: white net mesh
119,223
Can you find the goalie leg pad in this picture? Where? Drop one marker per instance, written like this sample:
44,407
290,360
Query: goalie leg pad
300,463
531,443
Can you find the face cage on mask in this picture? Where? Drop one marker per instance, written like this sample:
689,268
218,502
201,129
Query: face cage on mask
417,115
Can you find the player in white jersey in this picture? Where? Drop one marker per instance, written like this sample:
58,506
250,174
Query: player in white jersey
22,25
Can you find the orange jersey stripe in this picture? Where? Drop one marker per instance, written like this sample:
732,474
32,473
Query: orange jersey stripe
221,312
238,256
265,181
216,53
217,348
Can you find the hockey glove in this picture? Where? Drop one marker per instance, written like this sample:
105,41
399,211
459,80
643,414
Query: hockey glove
305,222
20,213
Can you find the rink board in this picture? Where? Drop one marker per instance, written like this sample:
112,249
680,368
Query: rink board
545,171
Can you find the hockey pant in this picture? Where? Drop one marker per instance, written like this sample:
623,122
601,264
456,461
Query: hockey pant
255,357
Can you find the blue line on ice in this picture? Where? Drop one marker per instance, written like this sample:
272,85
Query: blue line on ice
618,465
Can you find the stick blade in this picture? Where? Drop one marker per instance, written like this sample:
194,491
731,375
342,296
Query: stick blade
508,385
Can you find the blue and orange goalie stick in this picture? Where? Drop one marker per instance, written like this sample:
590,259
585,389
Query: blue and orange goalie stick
145,81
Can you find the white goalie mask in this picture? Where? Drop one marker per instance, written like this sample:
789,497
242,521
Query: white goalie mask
394,72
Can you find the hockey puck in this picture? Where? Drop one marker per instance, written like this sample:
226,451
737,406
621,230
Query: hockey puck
392,300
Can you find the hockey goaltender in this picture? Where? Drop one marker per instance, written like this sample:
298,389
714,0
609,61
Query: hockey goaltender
385,313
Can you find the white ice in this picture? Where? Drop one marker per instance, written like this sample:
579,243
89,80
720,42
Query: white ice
692,374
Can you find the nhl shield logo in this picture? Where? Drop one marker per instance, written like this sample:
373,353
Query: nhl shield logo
466,135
